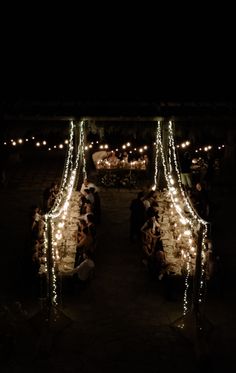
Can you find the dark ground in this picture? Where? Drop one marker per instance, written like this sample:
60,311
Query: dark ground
122,321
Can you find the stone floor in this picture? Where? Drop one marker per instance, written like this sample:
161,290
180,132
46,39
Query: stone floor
123,320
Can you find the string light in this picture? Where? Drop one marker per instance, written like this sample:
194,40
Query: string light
156,161
62,202
194,220
68,166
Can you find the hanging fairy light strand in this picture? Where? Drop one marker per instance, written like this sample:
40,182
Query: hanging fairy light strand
62,203
83,150
156,161
67,169
71,182
194,214
170,185
185,199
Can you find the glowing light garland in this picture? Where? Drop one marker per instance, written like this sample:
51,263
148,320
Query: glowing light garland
61,204
173,192
156,162
82,141
190,208
185,199
171,189
67,169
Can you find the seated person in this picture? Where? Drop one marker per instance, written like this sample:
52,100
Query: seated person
161,263
146,160
148,241
89,195
86,185
152,223
85,243
200,200
87,210
125,157
113,159
84,270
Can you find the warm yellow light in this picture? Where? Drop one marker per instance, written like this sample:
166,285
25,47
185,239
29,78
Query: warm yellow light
20,141
61,146
37,143
66,141
187,232
128,144
44,142
14,143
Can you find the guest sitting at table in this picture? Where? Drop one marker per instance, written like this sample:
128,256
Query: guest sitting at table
96,205
161,263
85,242
85,268
84,271
91,226
112,159
146,160
89,195
125,157
201,201
86,185
87,209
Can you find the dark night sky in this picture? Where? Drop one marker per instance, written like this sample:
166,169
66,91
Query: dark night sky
124,78
127,82
128,58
